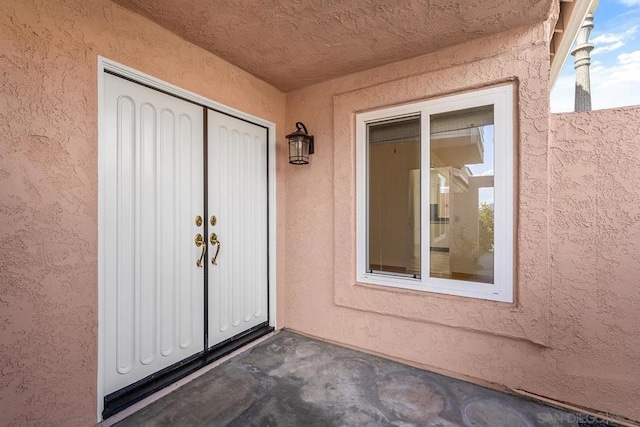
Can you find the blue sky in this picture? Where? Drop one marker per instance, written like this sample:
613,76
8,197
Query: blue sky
615,61
485,168
485,195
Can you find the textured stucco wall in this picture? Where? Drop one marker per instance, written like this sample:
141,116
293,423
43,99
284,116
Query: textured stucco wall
546,343
48,186
594,214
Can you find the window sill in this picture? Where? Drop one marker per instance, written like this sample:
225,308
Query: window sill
439,286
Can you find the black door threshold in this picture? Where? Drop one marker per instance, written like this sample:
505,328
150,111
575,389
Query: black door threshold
229,346
123,398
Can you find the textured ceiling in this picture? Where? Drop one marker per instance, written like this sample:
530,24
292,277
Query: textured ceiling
295,43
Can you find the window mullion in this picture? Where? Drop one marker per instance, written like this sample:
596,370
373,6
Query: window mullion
425,224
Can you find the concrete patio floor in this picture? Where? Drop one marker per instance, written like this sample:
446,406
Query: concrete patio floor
292,380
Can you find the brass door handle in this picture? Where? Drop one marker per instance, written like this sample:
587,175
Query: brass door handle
214,241
201,242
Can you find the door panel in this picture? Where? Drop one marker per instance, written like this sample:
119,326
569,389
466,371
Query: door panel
153,189
238,195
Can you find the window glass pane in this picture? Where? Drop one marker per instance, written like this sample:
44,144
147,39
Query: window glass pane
461,195
394,196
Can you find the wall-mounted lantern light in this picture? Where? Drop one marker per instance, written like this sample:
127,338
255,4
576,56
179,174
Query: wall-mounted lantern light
300,145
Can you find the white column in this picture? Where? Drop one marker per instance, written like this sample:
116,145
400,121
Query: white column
582,61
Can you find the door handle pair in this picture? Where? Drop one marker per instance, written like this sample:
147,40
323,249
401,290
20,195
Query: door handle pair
202,243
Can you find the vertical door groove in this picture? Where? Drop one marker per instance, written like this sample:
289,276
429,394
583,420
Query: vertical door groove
247,221
125,279
235,232
184,203
167,194
221,192
145,236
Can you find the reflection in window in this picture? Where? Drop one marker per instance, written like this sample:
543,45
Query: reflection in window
461,196
461,155
394,196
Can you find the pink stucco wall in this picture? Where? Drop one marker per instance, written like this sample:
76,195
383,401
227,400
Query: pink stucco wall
572,335
48,186
594,212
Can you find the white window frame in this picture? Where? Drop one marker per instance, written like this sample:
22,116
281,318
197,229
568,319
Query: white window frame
501,97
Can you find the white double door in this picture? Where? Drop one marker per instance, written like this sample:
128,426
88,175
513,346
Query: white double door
153,190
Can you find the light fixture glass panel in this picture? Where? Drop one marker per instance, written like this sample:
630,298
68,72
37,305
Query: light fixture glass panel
299,150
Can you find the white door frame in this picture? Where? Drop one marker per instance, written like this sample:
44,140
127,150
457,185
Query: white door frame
105,64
